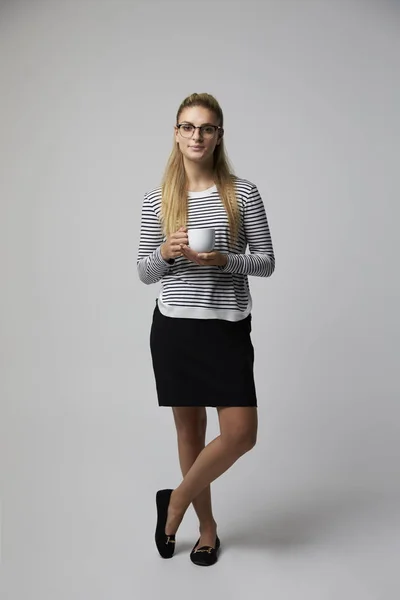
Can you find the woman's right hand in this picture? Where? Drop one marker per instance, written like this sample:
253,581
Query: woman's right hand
171,248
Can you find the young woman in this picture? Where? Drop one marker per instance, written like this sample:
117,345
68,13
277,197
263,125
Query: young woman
200,339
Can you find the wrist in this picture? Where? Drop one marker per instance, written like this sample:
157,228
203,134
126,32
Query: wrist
167,259
163,252
224,262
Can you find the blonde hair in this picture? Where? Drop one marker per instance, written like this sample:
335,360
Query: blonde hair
174,208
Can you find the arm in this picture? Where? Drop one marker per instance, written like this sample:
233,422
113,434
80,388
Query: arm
261,260
150,263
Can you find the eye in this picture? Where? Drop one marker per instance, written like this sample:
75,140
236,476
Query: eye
187,128
208,129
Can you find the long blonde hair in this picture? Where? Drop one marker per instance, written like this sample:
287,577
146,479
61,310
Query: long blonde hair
174,208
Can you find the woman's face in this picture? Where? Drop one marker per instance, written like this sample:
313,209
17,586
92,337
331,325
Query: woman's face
199,147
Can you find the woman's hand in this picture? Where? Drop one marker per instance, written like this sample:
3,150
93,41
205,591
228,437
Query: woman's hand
215,258
171,248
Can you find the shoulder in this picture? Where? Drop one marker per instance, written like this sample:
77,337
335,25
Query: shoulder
244,186
153,197
245,189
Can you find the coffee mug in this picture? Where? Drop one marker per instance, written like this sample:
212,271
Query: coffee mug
201,240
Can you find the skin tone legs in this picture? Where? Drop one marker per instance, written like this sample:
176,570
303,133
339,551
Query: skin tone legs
191,424
238,432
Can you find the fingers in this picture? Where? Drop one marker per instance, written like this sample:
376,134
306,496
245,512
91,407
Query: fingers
175,241
180,237
176,250
190,254
207,256
178,246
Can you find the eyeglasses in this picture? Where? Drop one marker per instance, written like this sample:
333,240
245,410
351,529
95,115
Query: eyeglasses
206,131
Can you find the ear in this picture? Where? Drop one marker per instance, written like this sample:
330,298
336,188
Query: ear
220,136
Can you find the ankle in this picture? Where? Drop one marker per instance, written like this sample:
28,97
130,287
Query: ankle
177,502
208,526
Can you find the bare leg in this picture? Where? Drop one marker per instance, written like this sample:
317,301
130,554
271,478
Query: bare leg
238,427
191,424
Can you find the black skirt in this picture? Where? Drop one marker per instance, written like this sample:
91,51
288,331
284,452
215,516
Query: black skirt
202,362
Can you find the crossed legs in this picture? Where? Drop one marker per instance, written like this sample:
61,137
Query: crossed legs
202,464
191,425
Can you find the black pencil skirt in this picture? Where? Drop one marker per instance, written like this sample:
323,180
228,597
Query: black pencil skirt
202,362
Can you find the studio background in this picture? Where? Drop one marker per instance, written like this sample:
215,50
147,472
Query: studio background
89,93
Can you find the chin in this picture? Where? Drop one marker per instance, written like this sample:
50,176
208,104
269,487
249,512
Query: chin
197,157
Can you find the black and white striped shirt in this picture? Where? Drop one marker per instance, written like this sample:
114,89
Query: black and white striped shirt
208,292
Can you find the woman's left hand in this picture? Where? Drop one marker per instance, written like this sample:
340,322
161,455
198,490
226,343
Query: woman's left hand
215,258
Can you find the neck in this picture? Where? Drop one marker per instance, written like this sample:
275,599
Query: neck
199,177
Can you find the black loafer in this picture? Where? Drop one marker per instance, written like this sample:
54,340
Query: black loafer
206,555
165,543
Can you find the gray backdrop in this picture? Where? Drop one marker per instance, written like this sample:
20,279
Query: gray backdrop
89,91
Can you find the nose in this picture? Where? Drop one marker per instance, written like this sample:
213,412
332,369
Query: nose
197,135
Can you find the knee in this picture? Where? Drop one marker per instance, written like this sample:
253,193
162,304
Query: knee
241,439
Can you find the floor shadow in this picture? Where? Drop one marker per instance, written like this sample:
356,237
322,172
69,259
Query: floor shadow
304,521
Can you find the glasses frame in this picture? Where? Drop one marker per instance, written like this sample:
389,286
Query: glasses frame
216,128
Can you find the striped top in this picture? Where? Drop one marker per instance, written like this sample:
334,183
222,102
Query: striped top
208,292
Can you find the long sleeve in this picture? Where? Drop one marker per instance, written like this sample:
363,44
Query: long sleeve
150,263
261,260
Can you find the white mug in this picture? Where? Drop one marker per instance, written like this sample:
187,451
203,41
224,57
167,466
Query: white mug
201,240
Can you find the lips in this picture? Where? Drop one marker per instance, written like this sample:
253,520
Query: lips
197,147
